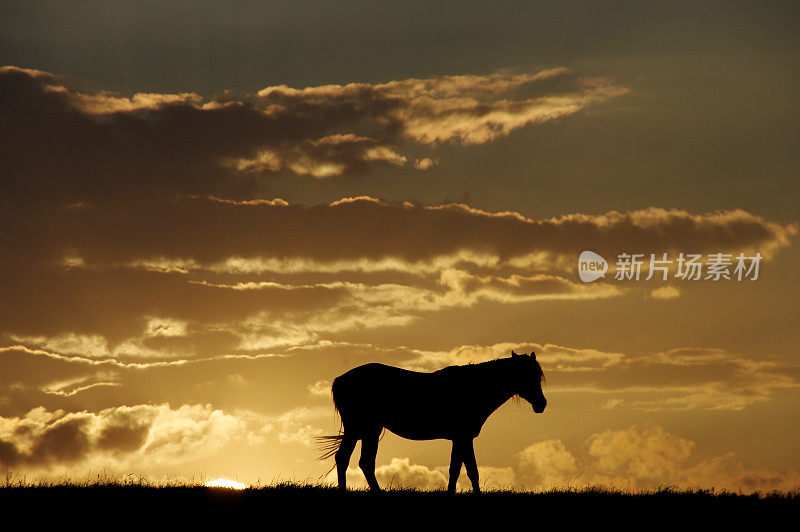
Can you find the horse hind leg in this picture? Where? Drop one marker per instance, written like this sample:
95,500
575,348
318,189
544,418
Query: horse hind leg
369,451
342,458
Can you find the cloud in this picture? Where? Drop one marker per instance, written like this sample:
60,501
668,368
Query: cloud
143,206
123,436
144,437
294,427
552,462
688,378
401,473
328,156
649,454
428,237
268,273
141,221
88,145
321,388
665,292
426,163
459,109
643,458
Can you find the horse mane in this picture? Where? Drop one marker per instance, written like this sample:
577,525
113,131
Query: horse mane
487,363
495,364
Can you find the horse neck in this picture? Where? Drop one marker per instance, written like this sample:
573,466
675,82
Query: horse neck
494,390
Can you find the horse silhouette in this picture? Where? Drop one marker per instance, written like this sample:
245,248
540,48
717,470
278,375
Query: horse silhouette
452,403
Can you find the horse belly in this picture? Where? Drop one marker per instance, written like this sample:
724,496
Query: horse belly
416,430
420,421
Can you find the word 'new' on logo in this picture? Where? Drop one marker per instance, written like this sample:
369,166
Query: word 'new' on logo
591,266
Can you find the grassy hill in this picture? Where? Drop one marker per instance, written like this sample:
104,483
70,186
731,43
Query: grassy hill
304,504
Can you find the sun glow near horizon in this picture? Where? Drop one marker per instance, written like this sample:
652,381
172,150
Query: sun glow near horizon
226,483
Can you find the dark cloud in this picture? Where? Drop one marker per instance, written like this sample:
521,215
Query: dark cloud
120,436
114,221
233,272
64,441
116,302
61,143
199,232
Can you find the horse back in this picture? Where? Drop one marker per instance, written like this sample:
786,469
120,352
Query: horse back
412,404
376,378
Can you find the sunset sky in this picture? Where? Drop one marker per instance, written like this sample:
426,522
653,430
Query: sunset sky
209,210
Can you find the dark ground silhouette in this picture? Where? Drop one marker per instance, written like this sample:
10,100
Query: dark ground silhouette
296,506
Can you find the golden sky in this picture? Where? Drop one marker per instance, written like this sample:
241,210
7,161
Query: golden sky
206,215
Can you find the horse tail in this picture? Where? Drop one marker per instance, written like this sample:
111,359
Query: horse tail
328,445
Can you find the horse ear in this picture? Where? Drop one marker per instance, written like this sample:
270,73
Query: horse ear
532,355
513,354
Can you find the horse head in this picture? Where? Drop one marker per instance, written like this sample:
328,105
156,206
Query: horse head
528,380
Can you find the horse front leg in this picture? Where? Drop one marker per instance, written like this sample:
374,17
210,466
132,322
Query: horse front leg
456,459
472,466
